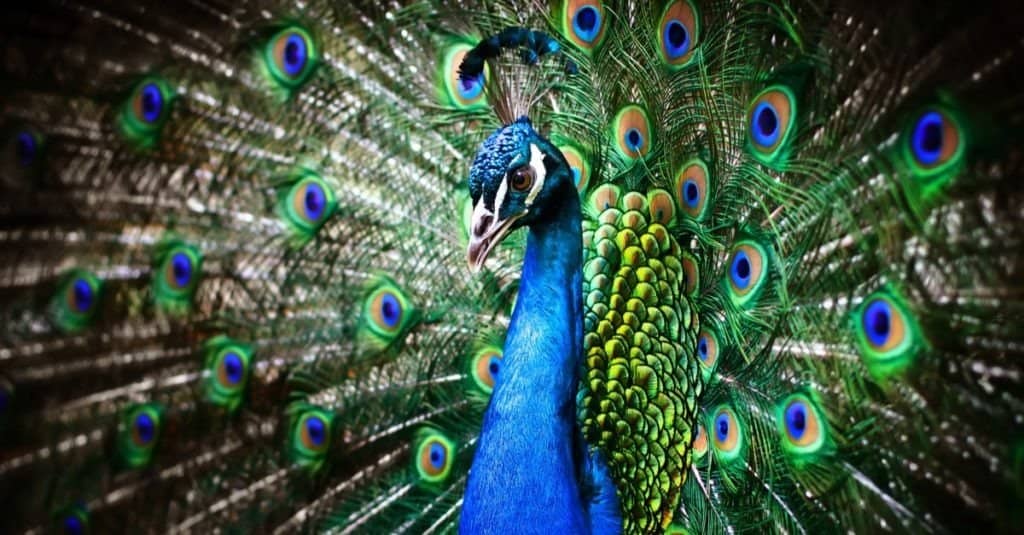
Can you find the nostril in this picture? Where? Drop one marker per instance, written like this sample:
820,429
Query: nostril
482,224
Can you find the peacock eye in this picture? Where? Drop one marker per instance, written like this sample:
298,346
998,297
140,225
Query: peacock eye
146,111
290,57
312,430
434,456
228,362
522,178
678,33
801,425
76,302
140,434
306,206
486,367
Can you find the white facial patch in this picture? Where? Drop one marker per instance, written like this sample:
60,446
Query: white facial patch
499,197
537,163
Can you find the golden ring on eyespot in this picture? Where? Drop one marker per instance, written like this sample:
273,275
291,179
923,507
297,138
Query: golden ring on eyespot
769,119
387,310
484,369
728,440
745,268
692,188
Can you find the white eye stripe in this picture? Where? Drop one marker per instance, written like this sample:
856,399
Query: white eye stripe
499,197
537,163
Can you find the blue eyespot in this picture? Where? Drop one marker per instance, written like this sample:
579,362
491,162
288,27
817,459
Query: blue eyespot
702,348
26,148
740,269
181,267
316,431
691,193
796,420
928,138
72,525
494,365
233,367
390,310
84,296
145,428
586,24
438,455
676,38
295,54
151,102
722,427
766,124
315,201
470,87
433,456
634,139
878,322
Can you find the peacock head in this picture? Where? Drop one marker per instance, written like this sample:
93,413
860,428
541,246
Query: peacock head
514,179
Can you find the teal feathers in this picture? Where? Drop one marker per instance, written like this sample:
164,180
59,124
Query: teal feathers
234,297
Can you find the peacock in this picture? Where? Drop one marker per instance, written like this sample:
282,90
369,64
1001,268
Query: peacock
578,266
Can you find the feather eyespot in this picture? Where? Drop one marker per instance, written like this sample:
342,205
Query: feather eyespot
146,111
770,123
386,317
692,188
434,456
678,33
178,271
691,275
486,368
308,204
522,178
934,142
231,369
579,165
314,432
26,148
887,333
700,442
140,434
387,310
935,139
143,429
73,520
290,56
632,130
707,352
77,300
747,266
148,103
584,22
228,362
727,435
801,425
463,92
81,294
311,435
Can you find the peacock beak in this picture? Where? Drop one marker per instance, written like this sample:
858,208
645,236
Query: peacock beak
486,231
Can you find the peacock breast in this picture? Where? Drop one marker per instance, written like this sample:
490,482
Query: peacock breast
641,379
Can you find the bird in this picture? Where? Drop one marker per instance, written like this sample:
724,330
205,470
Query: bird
579,266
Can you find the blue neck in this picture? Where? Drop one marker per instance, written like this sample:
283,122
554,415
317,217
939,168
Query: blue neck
526,464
